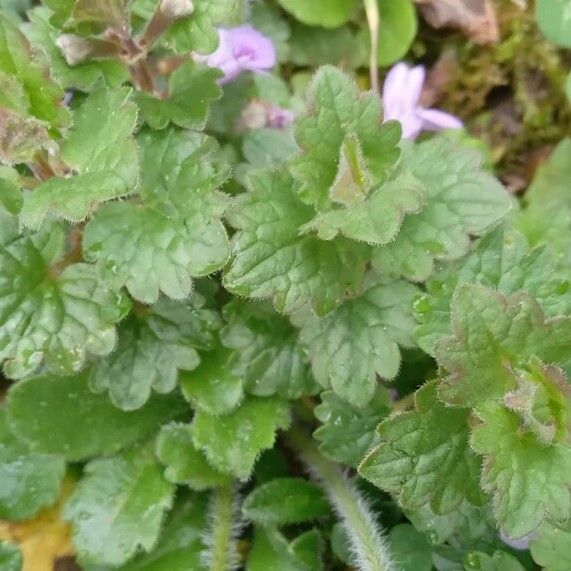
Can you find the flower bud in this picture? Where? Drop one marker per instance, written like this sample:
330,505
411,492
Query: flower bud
75,49
177,8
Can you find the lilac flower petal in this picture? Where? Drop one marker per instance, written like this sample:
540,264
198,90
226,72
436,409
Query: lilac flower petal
279,118
239,49
411,126
434,120
415,82
251,49
394,87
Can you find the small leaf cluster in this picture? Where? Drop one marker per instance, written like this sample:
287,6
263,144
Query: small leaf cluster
204,318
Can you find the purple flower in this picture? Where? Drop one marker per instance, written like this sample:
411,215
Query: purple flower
279,118
259,114
401,95
240,49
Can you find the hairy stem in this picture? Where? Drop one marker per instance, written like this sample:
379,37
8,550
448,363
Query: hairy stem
222,554
367,543
374,20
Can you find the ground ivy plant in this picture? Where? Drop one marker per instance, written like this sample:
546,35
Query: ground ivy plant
245,323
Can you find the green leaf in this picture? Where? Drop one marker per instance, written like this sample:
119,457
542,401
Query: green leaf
551,547
84,75
180,543
38,95
308,548
272,260
108,12
28,481
502,261
494,339
499,561
375,219
547,217
249,430
326,13
463,200
173,160
340,544
102,135
198,32
466,527
528,481
349,432
350,346
542,400
213,386
101,150
10,195
48,313
153,347
548,184
191,89
271,550
268,147
397,31
424,456
60,415
285,501
312,46
10,557
176,233
554,20
184,464
118,507
410,548
338,113
266,353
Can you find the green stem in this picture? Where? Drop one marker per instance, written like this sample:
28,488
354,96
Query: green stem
222,554
367,543
374,20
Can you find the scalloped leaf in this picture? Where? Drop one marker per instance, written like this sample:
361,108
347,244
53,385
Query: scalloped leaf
118,507
349,432
502,261
265,351
153,346
528,481
271,258
176,232
102,152
48,313
192,88
462,200
494,339
336,110
424,456
250,429
184,464
350,346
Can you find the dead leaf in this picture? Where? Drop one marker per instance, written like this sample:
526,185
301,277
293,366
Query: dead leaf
44,539
476,18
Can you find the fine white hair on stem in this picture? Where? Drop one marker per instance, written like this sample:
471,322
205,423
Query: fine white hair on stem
368,546
223,528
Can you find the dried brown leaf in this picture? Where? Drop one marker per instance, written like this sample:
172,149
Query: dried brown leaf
476,18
